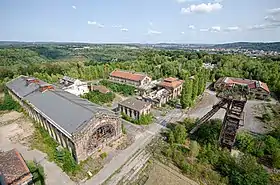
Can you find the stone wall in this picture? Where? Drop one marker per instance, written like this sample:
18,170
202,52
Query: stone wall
85,142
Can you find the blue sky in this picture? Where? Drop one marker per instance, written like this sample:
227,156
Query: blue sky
144,21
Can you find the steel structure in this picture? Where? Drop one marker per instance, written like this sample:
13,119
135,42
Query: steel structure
233,102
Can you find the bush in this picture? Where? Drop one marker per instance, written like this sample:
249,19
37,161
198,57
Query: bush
124,89
209,132
276,158
123,129
37,172
145,119
9,104
180,134
103,155
99,98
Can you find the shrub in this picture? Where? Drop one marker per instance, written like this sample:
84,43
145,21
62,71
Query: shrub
124,89
37,172
276,158
99,98
9,104
180,134
103,155
123,129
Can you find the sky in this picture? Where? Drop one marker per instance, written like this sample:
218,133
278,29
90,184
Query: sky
140,21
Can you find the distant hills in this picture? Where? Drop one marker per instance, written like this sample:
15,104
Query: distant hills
269,46
265,46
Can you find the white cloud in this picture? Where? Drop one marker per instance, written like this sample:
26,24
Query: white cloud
274,11
215,29
153,32
272,19
96,24
117,26
232,28
192,27
204,29
182,33
74,7
202,8
265,26
212,29
124,30
151,23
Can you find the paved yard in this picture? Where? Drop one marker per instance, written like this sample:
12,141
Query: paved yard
54,174
251,122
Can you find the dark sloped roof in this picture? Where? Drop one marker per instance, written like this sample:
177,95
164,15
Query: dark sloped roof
68,111
134,104
13,167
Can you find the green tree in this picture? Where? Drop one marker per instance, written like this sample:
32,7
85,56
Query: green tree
180,134
194,149
276,158
171,138
195,88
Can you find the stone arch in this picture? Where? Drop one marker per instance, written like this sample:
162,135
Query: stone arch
100,136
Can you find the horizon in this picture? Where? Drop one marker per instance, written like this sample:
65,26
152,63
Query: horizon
168,21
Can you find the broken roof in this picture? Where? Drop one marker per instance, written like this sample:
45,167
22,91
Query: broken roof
134,104
171,82
128,75
68,111
13,167
252,84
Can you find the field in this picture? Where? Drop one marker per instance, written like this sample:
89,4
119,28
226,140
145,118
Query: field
162,175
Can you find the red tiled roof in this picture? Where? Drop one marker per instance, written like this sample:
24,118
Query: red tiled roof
264,86
128,75
252,84
13,167
171,82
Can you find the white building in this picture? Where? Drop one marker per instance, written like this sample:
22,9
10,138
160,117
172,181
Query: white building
74,86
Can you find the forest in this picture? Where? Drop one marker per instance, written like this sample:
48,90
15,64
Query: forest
200,157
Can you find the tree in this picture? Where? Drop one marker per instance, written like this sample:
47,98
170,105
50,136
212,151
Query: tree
171,138
180,134
195,88
276,158
194,149
184,96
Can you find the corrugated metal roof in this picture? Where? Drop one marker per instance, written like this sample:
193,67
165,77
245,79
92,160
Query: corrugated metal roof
70,112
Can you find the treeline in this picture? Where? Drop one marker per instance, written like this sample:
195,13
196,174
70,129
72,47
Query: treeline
193,87
156,63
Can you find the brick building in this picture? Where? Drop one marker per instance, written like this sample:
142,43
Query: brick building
75,123
134,108
256,88
13,170
130,78
173,85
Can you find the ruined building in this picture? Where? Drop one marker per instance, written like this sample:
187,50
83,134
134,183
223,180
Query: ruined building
75,123
256,88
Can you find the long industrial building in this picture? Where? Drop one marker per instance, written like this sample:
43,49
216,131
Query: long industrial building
75,123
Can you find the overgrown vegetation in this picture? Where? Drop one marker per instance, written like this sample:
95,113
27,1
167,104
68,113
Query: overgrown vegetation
124,89
200,157
99,98
61,156
37,172
8,103
143,119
